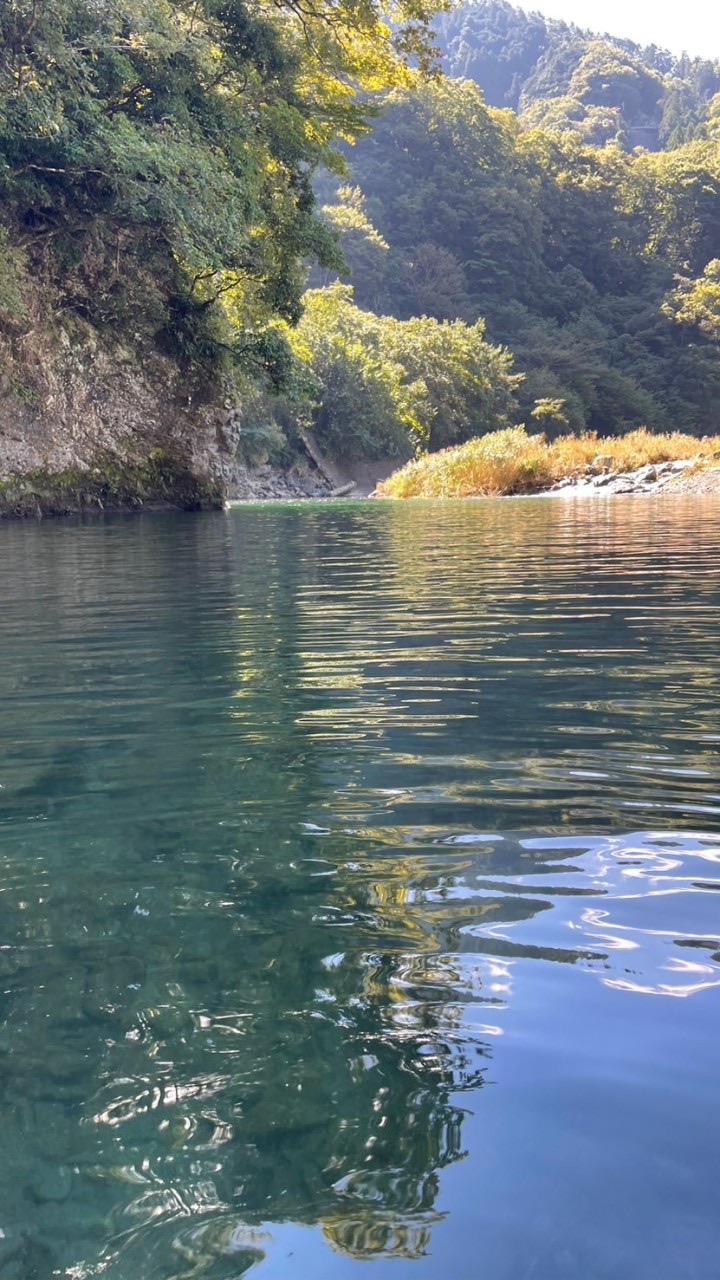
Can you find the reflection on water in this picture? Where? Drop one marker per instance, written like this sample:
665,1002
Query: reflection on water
341,850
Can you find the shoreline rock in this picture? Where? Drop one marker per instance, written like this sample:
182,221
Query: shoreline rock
599,480
266,483
160,482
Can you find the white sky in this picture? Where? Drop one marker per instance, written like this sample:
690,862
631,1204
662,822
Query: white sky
691,25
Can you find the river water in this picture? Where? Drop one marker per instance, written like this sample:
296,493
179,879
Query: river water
359,912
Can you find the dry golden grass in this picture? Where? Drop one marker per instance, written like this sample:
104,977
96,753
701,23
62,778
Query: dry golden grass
512,461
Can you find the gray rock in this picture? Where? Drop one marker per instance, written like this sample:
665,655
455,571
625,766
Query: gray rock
52,1183
603,462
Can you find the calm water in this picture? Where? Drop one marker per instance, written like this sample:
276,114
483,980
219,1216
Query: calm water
358,893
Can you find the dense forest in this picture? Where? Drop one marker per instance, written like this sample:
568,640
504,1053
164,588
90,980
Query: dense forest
560,77
597,268
532,235
492,200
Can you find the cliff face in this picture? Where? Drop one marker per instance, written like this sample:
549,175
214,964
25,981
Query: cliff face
89,423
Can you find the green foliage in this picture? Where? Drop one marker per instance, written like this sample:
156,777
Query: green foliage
494,44
385,387
362,406
712,125
607,76
568,251
426,279
363,251
464,386
549,413
558,76
675,198
12,271
697,302
156,155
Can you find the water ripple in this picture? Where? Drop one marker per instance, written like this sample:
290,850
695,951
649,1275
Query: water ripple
340,849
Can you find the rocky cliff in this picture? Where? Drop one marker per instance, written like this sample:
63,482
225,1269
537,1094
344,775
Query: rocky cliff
87,422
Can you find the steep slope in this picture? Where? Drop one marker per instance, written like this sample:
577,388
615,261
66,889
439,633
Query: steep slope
595,267
557,75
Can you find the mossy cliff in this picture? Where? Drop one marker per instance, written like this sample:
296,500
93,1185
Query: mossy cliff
156,213
160,482
89,424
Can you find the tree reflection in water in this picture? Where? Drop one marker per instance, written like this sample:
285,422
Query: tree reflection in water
313,1088
252,939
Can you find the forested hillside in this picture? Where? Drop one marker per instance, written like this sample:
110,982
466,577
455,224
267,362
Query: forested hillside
480,251
596,267
580,259
600,87
509,205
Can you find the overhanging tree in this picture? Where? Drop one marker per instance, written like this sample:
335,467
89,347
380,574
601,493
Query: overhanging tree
157,156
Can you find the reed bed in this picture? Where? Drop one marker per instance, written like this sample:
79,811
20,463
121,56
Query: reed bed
513,462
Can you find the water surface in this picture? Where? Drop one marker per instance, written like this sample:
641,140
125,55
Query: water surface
358,893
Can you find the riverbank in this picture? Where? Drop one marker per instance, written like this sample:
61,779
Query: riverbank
513,462
163,482
682,476
266,484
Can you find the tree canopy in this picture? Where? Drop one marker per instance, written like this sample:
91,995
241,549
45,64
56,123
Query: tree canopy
377,386
157,155
604,88
594,266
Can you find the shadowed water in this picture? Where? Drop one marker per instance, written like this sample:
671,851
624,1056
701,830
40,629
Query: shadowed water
358,893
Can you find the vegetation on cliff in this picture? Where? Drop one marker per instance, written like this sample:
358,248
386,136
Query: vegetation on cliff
156,158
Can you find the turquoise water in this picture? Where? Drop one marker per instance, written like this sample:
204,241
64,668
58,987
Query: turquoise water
358,893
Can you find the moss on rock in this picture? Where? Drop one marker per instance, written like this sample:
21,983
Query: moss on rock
160,481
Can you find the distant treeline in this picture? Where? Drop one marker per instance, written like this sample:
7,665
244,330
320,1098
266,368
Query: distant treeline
559,76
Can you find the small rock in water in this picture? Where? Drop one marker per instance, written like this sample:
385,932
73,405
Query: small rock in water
53,1183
